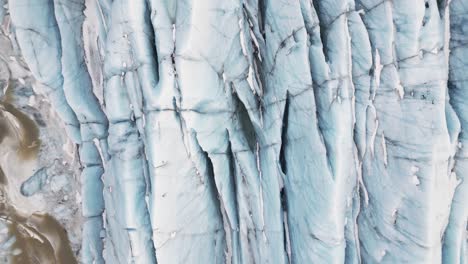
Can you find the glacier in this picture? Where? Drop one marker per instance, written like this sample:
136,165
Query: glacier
256,131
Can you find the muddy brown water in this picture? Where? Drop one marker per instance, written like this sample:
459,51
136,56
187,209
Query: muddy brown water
40,239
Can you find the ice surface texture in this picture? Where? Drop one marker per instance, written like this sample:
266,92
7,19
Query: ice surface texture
260,131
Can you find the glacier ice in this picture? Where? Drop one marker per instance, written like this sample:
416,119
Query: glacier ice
259,131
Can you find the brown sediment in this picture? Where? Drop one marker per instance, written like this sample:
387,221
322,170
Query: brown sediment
56,234
4,126
39,238
3,179
27,133
31,250
8,96
28,137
